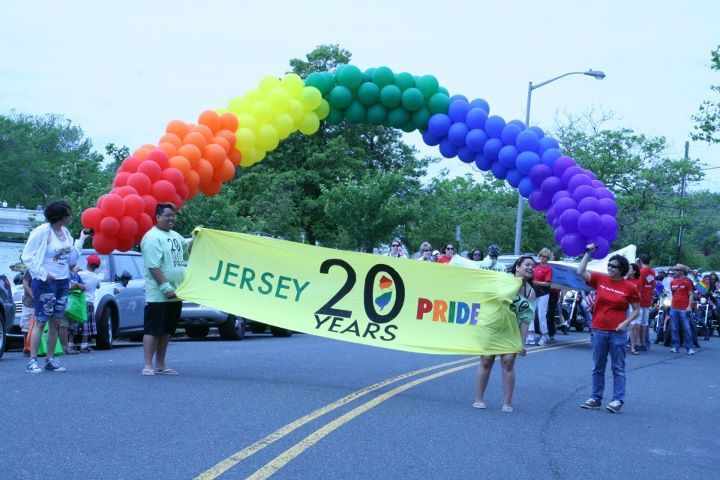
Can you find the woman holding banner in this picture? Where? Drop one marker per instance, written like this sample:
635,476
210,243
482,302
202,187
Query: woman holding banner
524,307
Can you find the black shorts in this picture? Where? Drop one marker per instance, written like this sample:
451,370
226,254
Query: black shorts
161,318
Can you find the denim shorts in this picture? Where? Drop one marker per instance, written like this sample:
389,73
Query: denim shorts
643,317
50,298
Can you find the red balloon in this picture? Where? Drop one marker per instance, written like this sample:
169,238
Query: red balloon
121,179
145,223
125,244
124,191
91,217
178,202
128,227
163,191
134,205
103,244
151,169
130,165
184,191
140,182
112,205
109,226
174,176
150,204
160,157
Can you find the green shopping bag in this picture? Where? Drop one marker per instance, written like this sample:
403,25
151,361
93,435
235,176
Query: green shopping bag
76,309
42,348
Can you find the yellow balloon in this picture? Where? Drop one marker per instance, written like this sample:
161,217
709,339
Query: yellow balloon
284,125
262,111
323,110
268,83
245,140
252,96
311,98
247,120
278,99
292,82
295,109
309,124
267,137
238,105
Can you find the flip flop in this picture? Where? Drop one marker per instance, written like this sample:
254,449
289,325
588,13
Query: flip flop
147,372
480,405
167,371
507,409
634,352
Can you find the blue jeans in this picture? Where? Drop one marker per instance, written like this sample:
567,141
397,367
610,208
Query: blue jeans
606,342
680,318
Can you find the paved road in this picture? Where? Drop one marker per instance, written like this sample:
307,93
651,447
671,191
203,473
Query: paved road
306,407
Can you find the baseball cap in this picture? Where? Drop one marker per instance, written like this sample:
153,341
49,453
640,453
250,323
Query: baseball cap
436,252
93,260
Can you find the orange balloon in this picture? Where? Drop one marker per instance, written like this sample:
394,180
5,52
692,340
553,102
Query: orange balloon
225,172
215,155
171,138
235,156
212,188
193,192
222,142
142,153
205,171
228,121
197,139
192,180
181,163
168,148
205,131
228,135
149,145
177,127
211,119
192,153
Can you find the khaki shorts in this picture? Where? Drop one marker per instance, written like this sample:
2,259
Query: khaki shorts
643,318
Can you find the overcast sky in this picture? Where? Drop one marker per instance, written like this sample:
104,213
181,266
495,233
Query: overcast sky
122,70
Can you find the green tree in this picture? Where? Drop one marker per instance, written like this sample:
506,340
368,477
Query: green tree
707,120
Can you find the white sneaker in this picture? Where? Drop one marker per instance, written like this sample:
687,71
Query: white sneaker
33,367
530,340
543,341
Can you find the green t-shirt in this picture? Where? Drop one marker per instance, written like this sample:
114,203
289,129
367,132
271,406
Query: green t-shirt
488,264
168,252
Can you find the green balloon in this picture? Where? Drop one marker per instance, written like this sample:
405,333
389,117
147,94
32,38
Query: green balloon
368,93
412,99
383,76
335,116
404,81
428,85
408,127
443,90
438,103
340,97
348,76
397,117
355,113
390,96
323,81
420,119
377,114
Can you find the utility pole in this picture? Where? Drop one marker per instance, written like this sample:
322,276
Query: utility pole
682,209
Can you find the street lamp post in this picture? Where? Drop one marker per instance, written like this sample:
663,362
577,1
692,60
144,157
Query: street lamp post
596,74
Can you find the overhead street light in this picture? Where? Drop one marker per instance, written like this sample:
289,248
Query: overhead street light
597,75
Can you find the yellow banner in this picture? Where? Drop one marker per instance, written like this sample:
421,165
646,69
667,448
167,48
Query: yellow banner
356,297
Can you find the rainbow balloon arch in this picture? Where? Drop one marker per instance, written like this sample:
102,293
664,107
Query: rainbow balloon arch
201,157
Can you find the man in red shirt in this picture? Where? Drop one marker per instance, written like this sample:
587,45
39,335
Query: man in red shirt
639,326
541,281
614,294
682,289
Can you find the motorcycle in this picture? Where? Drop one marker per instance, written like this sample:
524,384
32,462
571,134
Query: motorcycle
573,313
660,318
708,313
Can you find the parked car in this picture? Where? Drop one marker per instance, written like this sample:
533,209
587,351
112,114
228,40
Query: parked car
7,312
197,320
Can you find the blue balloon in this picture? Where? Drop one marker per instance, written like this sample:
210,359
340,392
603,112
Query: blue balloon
480,103
439,124
550,155
538,131
458,110
457,133
510,133
459,97
492,148
482,162
514,177
527,141
475,139
476,118
494,126
430,139
447,149
526,187
466,155
499,171
517,123
546,143
526,161
507,156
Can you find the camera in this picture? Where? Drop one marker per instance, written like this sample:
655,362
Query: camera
88,231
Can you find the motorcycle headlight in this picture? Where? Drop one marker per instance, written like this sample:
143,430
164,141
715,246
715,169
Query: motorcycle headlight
569,295
703,300
667,301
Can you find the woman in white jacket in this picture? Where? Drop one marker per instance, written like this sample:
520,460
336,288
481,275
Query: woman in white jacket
48,255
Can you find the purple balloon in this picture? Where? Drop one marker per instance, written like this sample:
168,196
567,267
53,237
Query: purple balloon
466,155
588,204
447,149
430,139
602,248
539,173
439,124
590,174
589,224
546,143
499,171
538,201
550,155
569,220
510,133
561,164
608,207
457,133
526,161
550,216
570,173
608,227
475,139
583,191
573,244
513,177
494,126
559,233
476,118
597,184
578,180
482,162
604,193
551,185
560,194
527,141
458,110
491,148
564,203
526,187
507,156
